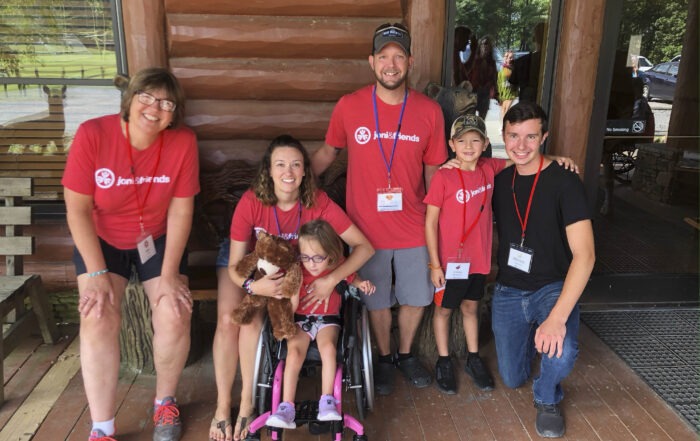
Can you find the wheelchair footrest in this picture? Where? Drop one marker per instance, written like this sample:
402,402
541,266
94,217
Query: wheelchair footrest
306,411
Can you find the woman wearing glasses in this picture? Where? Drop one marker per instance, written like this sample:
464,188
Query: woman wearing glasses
130,182
282,197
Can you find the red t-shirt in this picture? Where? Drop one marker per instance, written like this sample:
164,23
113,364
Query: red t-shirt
251,215
421,141
98,164
334,301
446,192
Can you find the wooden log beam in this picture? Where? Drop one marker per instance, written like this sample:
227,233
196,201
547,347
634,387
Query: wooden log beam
214,153
217,36
212,119
426,21
581,37
270,79
335,8
144,34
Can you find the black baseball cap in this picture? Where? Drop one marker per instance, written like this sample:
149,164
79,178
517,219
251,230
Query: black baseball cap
391,33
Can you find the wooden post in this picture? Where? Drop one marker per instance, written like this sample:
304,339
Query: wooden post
144,30
136,335
574,79
426,21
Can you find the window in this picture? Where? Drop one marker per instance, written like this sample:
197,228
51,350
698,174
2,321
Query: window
58,59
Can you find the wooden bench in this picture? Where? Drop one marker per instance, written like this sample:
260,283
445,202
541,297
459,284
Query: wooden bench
15,288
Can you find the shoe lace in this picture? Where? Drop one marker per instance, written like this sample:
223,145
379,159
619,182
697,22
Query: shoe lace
548,408
166,415
477,366
445,370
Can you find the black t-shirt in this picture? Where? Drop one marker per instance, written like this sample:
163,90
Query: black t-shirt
559,201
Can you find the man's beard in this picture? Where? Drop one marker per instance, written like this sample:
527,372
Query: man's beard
394,86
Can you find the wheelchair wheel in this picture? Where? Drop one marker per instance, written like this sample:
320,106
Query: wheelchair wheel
367,366
357,381
264,369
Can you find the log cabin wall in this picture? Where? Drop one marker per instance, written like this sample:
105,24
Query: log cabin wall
256,69
253,70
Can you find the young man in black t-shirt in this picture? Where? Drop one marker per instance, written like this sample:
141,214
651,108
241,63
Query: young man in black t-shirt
545,257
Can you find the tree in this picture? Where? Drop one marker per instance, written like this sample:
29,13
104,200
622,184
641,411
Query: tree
509,22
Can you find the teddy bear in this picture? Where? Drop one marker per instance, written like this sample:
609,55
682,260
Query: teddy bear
272,254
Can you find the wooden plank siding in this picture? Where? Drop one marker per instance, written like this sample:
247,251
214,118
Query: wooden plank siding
334,8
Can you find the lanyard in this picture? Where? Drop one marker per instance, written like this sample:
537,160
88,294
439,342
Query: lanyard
396,135
464,208
523,224
277,221
133,174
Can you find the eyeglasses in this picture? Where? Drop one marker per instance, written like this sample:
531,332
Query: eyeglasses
315,259
163,104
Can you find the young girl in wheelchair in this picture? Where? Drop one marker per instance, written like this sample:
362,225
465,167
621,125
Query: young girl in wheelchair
321,250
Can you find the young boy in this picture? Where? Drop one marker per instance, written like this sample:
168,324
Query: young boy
459,203
459,223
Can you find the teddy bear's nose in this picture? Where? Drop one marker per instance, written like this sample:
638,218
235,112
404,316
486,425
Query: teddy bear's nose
262,271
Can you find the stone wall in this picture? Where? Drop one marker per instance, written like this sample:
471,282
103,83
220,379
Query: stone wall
654,171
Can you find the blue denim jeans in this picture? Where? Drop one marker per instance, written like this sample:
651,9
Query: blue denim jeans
516,314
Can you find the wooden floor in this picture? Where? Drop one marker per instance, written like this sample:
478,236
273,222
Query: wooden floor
604,400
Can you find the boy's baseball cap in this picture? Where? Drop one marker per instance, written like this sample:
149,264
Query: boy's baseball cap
391,33
467,123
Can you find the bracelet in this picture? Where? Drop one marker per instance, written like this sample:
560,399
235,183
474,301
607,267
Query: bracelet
433,267
246,286
98,273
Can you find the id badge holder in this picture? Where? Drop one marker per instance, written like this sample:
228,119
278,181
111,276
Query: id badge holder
146,246
457,269
389,199
520,257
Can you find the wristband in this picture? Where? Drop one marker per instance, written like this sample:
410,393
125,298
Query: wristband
433,267
98,273
246,286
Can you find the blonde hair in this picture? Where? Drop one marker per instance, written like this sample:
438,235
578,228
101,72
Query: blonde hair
323,233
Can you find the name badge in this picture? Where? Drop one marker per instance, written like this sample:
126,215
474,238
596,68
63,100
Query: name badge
389,199
520,258
457,270
146,247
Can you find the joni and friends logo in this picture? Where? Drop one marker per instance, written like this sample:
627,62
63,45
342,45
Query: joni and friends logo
464,196
461,195
362,135
104,178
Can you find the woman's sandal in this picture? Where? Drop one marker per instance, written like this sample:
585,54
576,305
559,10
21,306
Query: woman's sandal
221,425
243,424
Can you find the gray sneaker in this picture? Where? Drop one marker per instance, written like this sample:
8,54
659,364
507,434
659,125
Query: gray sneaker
549,422
166,419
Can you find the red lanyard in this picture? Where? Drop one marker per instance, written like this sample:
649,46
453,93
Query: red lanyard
523,224
464,208
133,174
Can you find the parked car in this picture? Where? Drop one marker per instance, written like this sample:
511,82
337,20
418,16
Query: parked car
643,63
677,59
660,81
